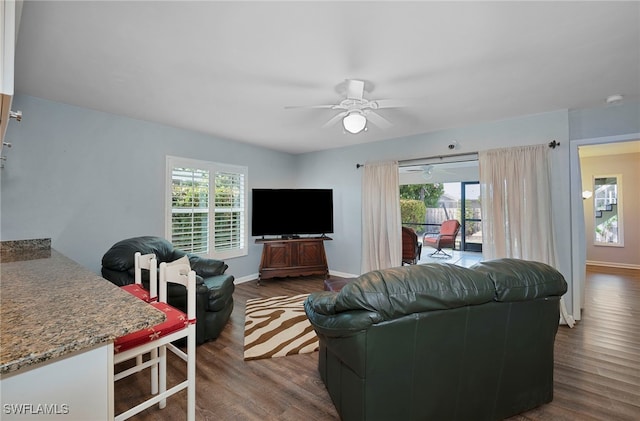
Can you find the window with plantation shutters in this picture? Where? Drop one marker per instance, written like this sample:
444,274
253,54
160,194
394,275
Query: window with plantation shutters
229,211
190,209
207,207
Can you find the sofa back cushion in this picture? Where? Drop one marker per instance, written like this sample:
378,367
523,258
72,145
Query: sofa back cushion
520,280
404,290
120,256
395,292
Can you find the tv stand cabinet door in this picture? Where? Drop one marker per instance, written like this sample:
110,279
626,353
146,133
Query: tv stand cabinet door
276,255
311,253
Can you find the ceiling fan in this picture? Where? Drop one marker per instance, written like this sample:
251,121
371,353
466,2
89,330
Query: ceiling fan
356,111
429,171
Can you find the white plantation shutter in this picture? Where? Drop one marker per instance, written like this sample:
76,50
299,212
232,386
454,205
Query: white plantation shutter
207,207
229,211
190,209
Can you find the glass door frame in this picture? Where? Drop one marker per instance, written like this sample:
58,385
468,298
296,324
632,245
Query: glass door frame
464,246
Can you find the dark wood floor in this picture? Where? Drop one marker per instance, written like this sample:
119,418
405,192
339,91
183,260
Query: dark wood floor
597,370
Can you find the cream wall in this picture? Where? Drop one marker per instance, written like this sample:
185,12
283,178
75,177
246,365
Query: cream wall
628,165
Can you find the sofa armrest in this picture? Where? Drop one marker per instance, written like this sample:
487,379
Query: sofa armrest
328,323
116,277
207,267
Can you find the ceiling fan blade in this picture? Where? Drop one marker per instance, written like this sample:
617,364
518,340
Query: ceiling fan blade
378,120
391,103
334,119
355,89
308,106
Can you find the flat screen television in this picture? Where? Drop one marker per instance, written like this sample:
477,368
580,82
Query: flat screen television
291,212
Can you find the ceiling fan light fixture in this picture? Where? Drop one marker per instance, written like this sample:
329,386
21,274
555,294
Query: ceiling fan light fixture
614,99
354,122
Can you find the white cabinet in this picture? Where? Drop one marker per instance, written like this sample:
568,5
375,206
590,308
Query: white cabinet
5,109
10,12
78,386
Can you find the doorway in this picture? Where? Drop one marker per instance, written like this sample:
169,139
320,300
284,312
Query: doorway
579,234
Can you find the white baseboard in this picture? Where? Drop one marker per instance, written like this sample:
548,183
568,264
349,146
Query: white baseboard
247,278
255,276
613,265
342,274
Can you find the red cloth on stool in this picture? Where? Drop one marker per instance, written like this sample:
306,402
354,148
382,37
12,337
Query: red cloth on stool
175,320
138,291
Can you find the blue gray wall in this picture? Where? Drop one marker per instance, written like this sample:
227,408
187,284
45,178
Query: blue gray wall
337,169
613,120
88,179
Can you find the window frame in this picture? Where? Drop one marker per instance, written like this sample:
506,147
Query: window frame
618,213
213,168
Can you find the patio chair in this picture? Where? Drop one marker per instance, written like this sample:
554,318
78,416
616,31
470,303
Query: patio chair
411,247
446,238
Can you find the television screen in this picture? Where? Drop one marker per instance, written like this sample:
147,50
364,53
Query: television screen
291,212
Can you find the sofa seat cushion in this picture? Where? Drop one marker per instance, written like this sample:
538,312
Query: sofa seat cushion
174,321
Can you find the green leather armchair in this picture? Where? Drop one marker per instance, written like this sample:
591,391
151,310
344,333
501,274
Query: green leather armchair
214,287
440,342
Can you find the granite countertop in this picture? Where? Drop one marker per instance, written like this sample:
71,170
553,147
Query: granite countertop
51,306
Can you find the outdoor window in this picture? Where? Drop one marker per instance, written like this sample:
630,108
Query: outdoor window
607,212
206,207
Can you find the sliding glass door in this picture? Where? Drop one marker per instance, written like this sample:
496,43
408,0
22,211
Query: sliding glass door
435,192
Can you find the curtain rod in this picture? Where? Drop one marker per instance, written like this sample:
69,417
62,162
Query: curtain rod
474,155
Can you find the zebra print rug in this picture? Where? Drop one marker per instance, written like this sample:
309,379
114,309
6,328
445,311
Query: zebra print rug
276,327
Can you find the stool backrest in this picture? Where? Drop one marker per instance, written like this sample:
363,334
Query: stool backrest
183,275
148,262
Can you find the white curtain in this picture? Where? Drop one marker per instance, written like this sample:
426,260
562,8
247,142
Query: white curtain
516,206
381,222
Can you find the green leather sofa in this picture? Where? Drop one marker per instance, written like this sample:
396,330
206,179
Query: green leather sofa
440,342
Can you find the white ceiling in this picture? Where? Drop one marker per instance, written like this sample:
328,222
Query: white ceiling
228,69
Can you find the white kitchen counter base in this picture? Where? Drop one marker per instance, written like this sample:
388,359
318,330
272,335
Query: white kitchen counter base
58,321
75,387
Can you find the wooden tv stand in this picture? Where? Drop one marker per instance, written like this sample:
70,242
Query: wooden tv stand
293,257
